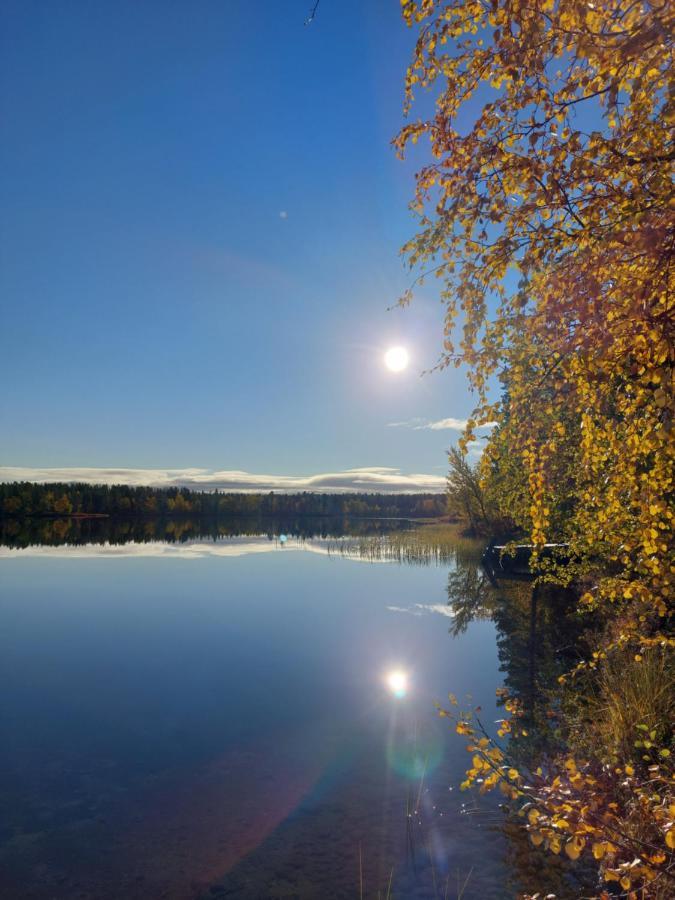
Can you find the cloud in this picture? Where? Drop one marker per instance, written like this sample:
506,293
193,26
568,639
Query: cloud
409,423
420,609
439,425
443,424
475,448
283,214
364,479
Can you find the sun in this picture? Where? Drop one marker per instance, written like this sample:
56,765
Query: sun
397,682
396,359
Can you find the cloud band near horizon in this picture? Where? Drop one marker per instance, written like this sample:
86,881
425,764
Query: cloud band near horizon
380,479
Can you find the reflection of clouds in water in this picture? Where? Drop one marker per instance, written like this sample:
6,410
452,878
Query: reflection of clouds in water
233,547
421,609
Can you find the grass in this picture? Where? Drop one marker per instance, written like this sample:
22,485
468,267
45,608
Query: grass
433,543
626,694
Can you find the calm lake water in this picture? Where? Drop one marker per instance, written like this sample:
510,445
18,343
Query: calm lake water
210,716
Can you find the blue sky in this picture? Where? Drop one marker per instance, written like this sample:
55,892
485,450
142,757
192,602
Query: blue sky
200,216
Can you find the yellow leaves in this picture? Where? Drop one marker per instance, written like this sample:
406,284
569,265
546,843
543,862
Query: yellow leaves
584,452
504,727
574,846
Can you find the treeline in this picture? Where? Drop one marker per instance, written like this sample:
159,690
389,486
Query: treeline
19,499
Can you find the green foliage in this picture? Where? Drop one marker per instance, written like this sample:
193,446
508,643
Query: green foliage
466,498
627,709
28,499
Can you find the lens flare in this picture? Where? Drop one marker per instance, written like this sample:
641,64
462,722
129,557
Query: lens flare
397,682
415,752
396,359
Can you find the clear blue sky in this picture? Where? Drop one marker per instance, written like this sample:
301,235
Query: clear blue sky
200,216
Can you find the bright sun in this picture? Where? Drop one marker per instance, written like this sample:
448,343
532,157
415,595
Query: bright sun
397,682
396,359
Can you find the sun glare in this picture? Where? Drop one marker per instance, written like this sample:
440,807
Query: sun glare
397,682
396,359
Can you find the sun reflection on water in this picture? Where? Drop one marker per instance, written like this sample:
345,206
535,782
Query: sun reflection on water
397,682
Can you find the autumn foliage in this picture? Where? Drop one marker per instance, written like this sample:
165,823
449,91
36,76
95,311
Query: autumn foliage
546,211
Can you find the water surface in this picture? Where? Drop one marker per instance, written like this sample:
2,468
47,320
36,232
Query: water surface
209,716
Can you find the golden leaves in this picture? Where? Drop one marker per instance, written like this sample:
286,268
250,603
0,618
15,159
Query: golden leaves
555,248
583,341
574,846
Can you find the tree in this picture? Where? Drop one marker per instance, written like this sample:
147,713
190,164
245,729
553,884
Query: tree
465,494
549,220
546,212
63,506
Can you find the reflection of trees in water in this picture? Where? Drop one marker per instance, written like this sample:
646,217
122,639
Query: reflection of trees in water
530,867
78,531
470,593
537,632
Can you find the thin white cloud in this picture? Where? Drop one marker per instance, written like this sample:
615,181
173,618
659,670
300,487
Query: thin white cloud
420,609
366,479
408,423
443,424
283,214
450,423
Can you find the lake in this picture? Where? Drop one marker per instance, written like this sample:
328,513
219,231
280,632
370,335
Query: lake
208,714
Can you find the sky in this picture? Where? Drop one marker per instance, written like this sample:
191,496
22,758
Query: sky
200,219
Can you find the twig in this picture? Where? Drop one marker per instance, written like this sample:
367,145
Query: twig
310,17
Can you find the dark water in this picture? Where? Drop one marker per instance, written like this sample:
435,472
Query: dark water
209,716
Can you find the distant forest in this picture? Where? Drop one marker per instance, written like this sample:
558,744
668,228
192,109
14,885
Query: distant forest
19,499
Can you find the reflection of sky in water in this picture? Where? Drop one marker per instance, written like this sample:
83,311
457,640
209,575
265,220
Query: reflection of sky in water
168,726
